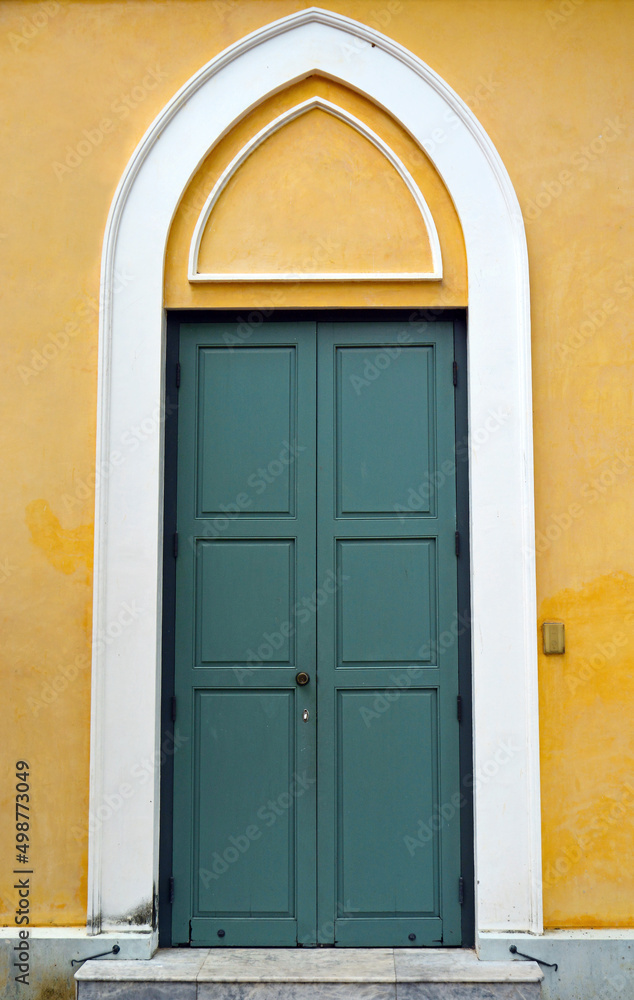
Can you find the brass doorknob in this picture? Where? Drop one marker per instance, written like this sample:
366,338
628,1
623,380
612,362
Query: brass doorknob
302,678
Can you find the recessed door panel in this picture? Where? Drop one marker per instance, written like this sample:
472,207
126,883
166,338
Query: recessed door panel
245,601
389,388
386,756
387,607
247,401
245,821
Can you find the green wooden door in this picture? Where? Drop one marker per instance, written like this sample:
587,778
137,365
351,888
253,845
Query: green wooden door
316,507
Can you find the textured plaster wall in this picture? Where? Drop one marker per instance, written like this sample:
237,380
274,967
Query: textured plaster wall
551,81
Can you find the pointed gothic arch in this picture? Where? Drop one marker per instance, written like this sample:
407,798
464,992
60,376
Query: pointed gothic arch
123,849
249,148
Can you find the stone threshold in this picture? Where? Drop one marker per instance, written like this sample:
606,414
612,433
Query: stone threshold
307,965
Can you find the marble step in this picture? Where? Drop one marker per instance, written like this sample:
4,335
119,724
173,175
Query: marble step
309,974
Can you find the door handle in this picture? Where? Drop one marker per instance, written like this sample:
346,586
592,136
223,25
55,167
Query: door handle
302,678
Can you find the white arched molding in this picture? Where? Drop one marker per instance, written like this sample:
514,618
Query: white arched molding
274,126
124,816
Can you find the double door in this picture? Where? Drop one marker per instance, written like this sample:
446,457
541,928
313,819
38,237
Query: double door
315,589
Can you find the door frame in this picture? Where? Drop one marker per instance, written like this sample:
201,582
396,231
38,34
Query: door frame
125,732
174,319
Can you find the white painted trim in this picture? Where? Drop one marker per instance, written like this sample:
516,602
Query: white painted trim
574,934
60,944
274,126
319,276
123,855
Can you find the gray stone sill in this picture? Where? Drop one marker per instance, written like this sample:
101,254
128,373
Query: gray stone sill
311,965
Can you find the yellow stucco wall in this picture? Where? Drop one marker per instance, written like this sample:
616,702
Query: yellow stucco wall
550,81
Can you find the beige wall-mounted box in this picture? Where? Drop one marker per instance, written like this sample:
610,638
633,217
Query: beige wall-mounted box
554,635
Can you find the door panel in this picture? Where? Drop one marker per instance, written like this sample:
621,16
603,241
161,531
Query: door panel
245,592
407,734
317,512
389,391
387,609
236,386
386,411
244,783
255,877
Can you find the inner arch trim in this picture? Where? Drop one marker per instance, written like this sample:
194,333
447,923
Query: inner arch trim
270,129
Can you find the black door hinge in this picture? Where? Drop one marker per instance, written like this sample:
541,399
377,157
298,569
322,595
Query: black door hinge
461,891
175,545
178,374
457,543
455,373
459,708
173,708
170,888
